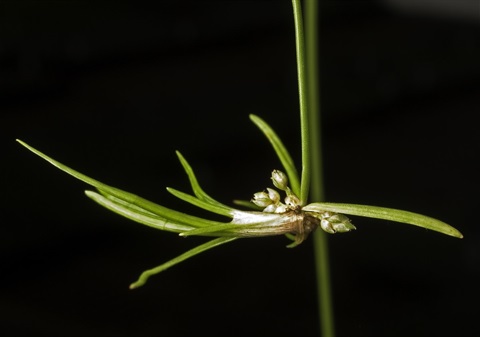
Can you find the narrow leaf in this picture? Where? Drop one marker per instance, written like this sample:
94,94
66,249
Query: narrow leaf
127,197
281,151
217,230
129,211
197,250
386,214
200,203
197,190
247,204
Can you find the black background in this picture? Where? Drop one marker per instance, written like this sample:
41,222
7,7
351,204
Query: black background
113,88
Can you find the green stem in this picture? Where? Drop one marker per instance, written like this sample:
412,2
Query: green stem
323,284
327,327
302,87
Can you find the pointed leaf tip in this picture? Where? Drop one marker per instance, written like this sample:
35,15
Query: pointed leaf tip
384,213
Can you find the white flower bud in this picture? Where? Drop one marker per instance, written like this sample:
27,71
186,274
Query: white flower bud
292,201
281,208
261,199
327,226
341,223
273,195
270,208
280,180
335,223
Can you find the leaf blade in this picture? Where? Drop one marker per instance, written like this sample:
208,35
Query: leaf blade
192,252
281,152
385,213
201,203
127,197
136,215
197,189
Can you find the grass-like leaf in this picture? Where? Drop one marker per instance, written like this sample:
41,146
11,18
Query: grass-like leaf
247,204
281,152
386,214
131,212
197,190
127,198
148,213
214,208
197,250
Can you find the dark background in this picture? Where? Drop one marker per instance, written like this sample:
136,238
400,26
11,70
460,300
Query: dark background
113,88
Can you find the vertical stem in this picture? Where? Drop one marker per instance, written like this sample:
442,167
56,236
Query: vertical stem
325,306
310,133
302,87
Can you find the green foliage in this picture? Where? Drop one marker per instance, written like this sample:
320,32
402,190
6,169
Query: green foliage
386,214
293,218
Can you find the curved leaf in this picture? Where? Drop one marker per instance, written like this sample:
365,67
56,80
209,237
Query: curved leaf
281,151
197,190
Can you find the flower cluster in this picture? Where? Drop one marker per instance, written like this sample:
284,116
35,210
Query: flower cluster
269,200
334,222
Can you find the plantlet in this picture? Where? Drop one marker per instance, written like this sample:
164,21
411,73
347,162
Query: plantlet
281,211
293,217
